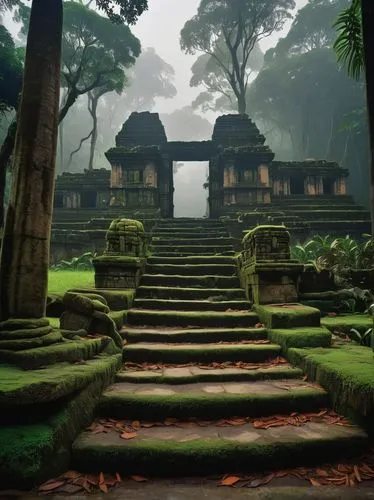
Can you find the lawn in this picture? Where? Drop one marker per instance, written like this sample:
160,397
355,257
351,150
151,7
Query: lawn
61,281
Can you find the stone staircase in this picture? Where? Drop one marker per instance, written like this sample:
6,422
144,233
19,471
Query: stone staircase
198,370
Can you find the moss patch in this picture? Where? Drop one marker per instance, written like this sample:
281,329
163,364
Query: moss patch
165,458
19,387
61,281
301,337
288,316
30,454
66,351
118,317
117,300
360,322
202,405
346,372
188,353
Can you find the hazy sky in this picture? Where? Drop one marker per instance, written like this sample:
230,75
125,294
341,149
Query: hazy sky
160,27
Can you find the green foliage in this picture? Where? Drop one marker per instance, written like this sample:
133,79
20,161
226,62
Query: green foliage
349,45
11,71
364,339
81,263
335,254
227,32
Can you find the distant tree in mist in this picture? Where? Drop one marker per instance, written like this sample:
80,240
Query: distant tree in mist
228,31
218,94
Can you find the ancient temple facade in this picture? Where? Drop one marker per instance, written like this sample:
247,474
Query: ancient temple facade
244,177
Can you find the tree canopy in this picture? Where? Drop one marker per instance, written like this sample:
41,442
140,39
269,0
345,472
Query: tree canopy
11,70
228,31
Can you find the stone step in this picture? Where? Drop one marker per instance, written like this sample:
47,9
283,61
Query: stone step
206,281
322,215
193,450
187,233
195,374
200,335
212,400
199,353
188,222
190,293
189,253
191,318
192,259
199,249
192,269
161,241
191,305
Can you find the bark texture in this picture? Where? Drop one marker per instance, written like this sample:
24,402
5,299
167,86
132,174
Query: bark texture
25,250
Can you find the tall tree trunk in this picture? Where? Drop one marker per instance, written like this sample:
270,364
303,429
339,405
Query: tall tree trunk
242,104
5,155
367,9
71,97
93,100
25,250
61,142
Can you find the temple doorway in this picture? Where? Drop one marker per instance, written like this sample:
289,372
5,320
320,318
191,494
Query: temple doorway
190,195
297,185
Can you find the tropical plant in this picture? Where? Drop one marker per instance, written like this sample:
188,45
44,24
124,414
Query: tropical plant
364,338
349,45
80,263
338,255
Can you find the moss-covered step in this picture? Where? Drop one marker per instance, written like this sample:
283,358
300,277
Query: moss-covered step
199,451
67,351
192,269
201,335
344,323
159,352
191,318
346,372
211,400
186,253
190,249
33,453
180,293
195,374
301,337
21,388
192,305
117,300
288,315
192,259
206,281
202,241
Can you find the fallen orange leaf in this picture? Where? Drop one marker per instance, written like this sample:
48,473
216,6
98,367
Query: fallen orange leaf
230,481
139,479
51,485
128,435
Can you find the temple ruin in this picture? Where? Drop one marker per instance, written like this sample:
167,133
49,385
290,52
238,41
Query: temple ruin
245,180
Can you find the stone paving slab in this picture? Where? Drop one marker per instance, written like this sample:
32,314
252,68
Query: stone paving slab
268,387
190,375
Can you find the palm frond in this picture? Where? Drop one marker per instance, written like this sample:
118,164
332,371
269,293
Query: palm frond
349,45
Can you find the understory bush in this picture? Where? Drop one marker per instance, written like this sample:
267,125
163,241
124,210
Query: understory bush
81,263
338,255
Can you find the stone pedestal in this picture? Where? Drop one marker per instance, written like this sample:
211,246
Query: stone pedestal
267,272
122,264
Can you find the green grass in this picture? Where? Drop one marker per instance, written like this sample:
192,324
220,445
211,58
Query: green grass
61,281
